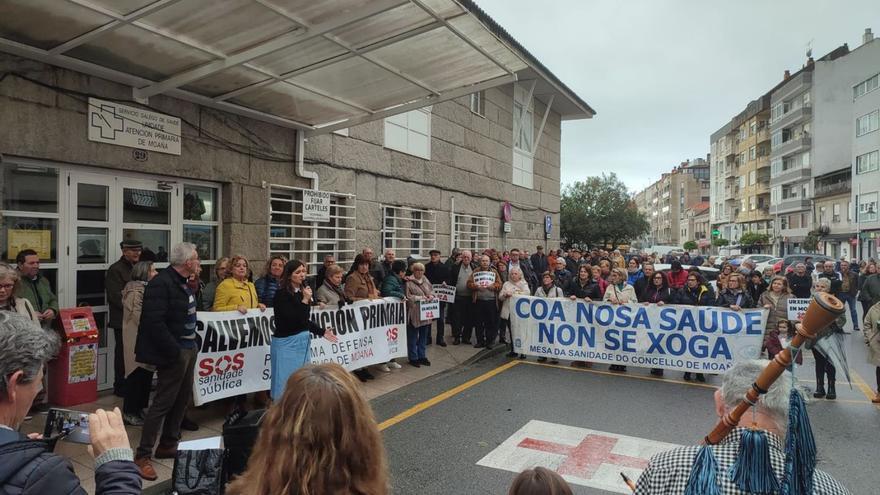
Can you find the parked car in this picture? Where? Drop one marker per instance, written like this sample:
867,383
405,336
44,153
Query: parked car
758,258
793,259
771,262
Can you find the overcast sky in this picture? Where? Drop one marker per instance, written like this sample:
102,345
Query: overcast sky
663,75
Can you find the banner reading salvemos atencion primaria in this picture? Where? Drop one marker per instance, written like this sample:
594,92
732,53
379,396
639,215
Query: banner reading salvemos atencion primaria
234,354
686,338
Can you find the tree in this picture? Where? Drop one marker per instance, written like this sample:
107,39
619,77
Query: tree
720,242
690,245
811,240
599,211
754,238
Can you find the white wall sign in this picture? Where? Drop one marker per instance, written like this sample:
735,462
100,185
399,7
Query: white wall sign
122,125
316,206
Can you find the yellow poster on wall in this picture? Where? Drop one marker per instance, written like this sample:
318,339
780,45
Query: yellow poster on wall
38,240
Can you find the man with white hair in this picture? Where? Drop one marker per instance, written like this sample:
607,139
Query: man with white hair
668,472
167,340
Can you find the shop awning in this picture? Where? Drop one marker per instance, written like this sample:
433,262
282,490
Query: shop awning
305,64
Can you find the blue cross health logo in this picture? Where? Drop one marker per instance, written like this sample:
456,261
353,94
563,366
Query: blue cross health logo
108,122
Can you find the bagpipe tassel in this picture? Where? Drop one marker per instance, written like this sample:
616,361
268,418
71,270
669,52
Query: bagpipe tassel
704,473
800,449
753,472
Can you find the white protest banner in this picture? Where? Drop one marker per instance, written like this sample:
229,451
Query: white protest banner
484,278
316,206
686,338
234,353
797,308
444,293
429,310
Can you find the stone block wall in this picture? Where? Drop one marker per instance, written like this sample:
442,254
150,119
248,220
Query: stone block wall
471,158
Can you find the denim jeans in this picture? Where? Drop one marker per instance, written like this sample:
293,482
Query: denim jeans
416,338
851,300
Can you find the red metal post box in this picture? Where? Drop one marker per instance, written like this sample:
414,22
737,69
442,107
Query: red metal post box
73,375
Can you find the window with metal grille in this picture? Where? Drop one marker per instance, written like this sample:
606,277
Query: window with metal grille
294,238
471,232
408,231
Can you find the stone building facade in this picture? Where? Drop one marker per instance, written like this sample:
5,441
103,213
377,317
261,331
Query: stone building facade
411,177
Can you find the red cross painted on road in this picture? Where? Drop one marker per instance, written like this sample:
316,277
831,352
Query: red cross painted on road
583,459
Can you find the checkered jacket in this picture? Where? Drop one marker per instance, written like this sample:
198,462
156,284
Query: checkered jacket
668,471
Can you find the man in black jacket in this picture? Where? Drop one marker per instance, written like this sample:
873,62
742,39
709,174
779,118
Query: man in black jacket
166,339
27,464
539,261
118,275
800,282
438,273
641,284
461,311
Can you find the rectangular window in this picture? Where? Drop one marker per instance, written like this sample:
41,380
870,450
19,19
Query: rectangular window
753,153
866,86
471,232
835,213
292,237
869,162
29,214
868,207
776,138
753,177
201,220
849,211
523,137
478,103
867,123
408,231
410,132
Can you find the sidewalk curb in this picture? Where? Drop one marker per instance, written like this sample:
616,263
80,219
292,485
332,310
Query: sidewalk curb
484,354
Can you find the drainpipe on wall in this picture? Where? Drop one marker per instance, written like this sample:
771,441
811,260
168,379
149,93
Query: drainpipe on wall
300,170
451,224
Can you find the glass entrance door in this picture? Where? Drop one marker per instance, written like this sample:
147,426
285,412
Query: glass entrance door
92,214
104,211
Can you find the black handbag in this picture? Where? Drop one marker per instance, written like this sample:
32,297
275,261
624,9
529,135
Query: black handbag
198,472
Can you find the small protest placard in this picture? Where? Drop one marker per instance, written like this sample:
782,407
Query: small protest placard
429,310
797,308
444,293
484,279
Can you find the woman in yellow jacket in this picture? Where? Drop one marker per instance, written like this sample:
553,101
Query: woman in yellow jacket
237,293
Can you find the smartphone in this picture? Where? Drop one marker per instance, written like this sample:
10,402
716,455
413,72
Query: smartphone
72,426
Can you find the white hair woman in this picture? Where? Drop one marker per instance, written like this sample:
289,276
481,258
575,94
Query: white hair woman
139,380
515,286
824,367
9,282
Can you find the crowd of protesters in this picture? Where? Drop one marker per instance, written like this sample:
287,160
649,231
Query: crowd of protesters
153,313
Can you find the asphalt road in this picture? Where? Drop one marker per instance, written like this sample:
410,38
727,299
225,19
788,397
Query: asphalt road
435,448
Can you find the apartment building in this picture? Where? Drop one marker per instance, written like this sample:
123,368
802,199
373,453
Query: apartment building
864,124
794,108
665,201
695,225
740,173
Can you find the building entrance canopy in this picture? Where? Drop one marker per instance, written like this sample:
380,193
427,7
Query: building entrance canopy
312,65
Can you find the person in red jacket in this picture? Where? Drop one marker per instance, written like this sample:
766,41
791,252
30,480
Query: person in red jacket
677,276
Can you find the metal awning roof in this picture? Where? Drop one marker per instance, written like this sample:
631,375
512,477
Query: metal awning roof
306,64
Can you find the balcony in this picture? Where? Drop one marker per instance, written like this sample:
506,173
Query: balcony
841,187
792,87
756,215
730,193
791,147
793,117
763,161
791,175
763,134
762,187
790,205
